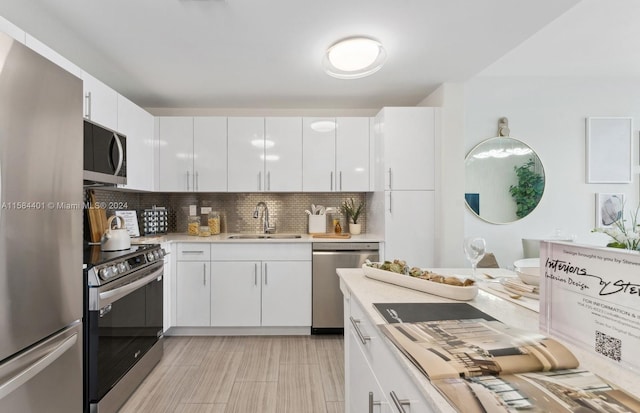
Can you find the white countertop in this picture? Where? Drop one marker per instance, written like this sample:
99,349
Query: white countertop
367,291
224,237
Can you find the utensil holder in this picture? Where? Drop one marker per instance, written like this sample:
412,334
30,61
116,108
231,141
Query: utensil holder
317,224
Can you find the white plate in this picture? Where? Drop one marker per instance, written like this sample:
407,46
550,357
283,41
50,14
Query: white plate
528,278
443,290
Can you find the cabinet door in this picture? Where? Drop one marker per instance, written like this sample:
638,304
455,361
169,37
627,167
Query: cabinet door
286,293
409,227
175,140
352,154
362,381
246,154
412,128
101,102
210,154
235,293
193,294
137,124
283,154
319,154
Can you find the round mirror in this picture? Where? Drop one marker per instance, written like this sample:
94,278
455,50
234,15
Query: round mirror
504,180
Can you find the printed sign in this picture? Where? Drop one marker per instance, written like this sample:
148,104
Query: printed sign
130,222
590,296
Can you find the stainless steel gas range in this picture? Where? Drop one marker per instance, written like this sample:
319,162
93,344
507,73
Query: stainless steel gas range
123,322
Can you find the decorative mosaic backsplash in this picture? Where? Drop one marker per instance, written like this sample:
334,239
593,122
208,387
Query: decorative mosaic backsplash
286,210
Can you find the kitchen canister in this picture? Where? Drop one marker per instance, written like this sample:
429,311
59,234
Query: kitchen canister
193,225
317,224
213,219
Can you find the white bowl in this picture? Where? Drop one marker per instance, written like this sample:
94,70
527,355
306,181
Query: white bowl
528,270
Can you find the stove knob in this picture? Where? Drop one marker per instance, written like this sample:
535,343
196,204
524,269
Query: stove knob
127,267
156,255
121,267
114,270
104,273
161,253
150,257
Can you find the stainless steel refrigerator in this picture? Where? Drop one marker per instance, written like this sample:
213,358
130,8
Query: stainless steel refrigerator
40,234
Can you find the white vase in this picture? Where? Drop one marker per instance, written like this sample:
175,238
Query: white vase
354,229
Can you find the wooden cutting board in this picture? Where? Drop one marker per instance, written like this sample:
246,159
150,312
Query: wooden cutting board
340,236
97,219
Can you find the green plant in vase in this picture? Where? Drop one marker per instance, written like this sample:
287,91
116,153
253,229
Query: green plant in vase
352,211
529,190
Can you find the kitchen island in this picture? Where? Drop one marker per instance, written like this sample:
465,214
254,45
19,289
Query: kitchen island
377,373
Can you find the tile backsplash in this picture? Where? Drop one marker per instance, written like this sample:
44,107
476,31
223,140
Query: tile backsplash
286,210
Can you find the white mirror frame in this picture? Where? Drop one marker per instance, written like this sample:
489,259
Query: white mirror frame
609,150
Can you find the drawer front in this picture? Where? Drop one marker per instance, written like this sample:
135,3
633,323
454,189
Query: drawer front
193,251
261,251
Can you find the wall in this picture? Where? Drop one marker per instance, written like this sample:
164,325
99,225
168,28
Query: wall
549,114
286,210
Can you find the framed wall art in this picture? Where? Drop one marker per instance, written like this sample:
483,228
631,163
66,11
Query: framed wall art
608,150
609,208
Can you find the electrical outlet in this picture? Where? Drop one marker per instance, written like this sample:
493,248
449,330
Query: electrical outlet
205,210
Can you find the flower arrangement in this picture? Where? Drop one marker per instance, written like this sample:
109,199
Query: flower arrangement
627,237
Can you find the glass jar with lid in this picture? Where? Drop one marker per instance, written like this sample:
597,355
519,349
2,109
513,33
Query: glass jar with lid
213,220
193,225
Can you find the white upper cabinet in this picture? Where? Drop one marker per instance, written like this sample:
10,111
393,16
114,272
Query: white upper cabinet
283,154
265,154
352,154
319,154
137,125
45,51
336,154
210,154
100,102
175,139
12,30
408,135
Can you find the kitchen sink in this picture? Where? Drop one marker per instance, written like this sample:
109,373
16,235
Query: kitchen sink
264,236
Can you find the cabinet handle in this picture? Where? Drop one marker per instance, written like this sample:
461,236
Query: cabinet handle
87,112
341,180
255,274
390,186
390,201
372,403
265,274
399,403
204,274
192,252
268,181
196,186
331,180
362,337
187,180
259,181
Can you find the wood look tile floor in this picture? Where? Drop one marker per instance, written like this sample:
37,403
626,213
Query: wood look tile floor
252,374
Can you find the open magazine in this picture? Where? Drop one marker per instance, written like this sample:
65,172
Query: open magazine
484,365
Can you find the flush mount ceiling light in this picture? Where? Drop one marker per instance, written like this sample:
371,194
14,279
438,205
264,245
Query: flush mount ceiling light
354,57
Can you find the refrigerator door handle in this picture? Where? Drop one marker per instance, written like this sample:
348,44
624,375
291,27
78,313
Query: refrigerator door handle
42,358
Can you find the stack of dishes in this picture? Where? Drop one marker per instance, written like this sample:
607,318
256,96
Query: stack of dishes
528,270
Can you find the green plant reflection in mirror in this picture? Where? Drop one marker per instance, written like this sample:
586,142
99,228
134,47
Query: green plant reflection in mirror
504,180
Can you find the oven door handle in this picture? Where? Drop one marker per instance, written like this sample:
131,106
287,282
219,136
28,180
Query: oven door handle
117,293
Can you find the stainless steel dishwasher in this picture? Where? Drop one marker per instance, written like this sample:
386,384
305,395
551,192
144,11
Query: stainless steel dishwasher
327,315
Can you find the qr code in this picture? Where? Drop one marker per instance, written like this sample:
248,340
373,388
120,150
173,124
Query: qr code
608,346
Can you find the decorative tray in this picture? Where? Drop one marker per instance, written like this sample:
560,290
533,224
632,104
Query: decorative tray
453,292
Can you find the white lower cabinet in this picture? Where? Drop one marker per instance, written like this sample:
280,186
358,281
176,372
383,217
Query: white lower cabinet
193,293
371,367
243,285
235,293
366,394
286,293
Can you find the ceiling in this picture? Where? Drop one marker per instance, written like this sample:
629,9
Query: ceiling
268,54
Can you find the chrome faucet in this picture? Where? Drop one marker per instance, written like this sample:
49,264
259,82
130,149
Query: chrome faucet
267,229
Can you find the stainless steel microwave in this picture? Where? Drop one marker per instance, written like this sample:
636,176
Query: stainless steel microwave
105,155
